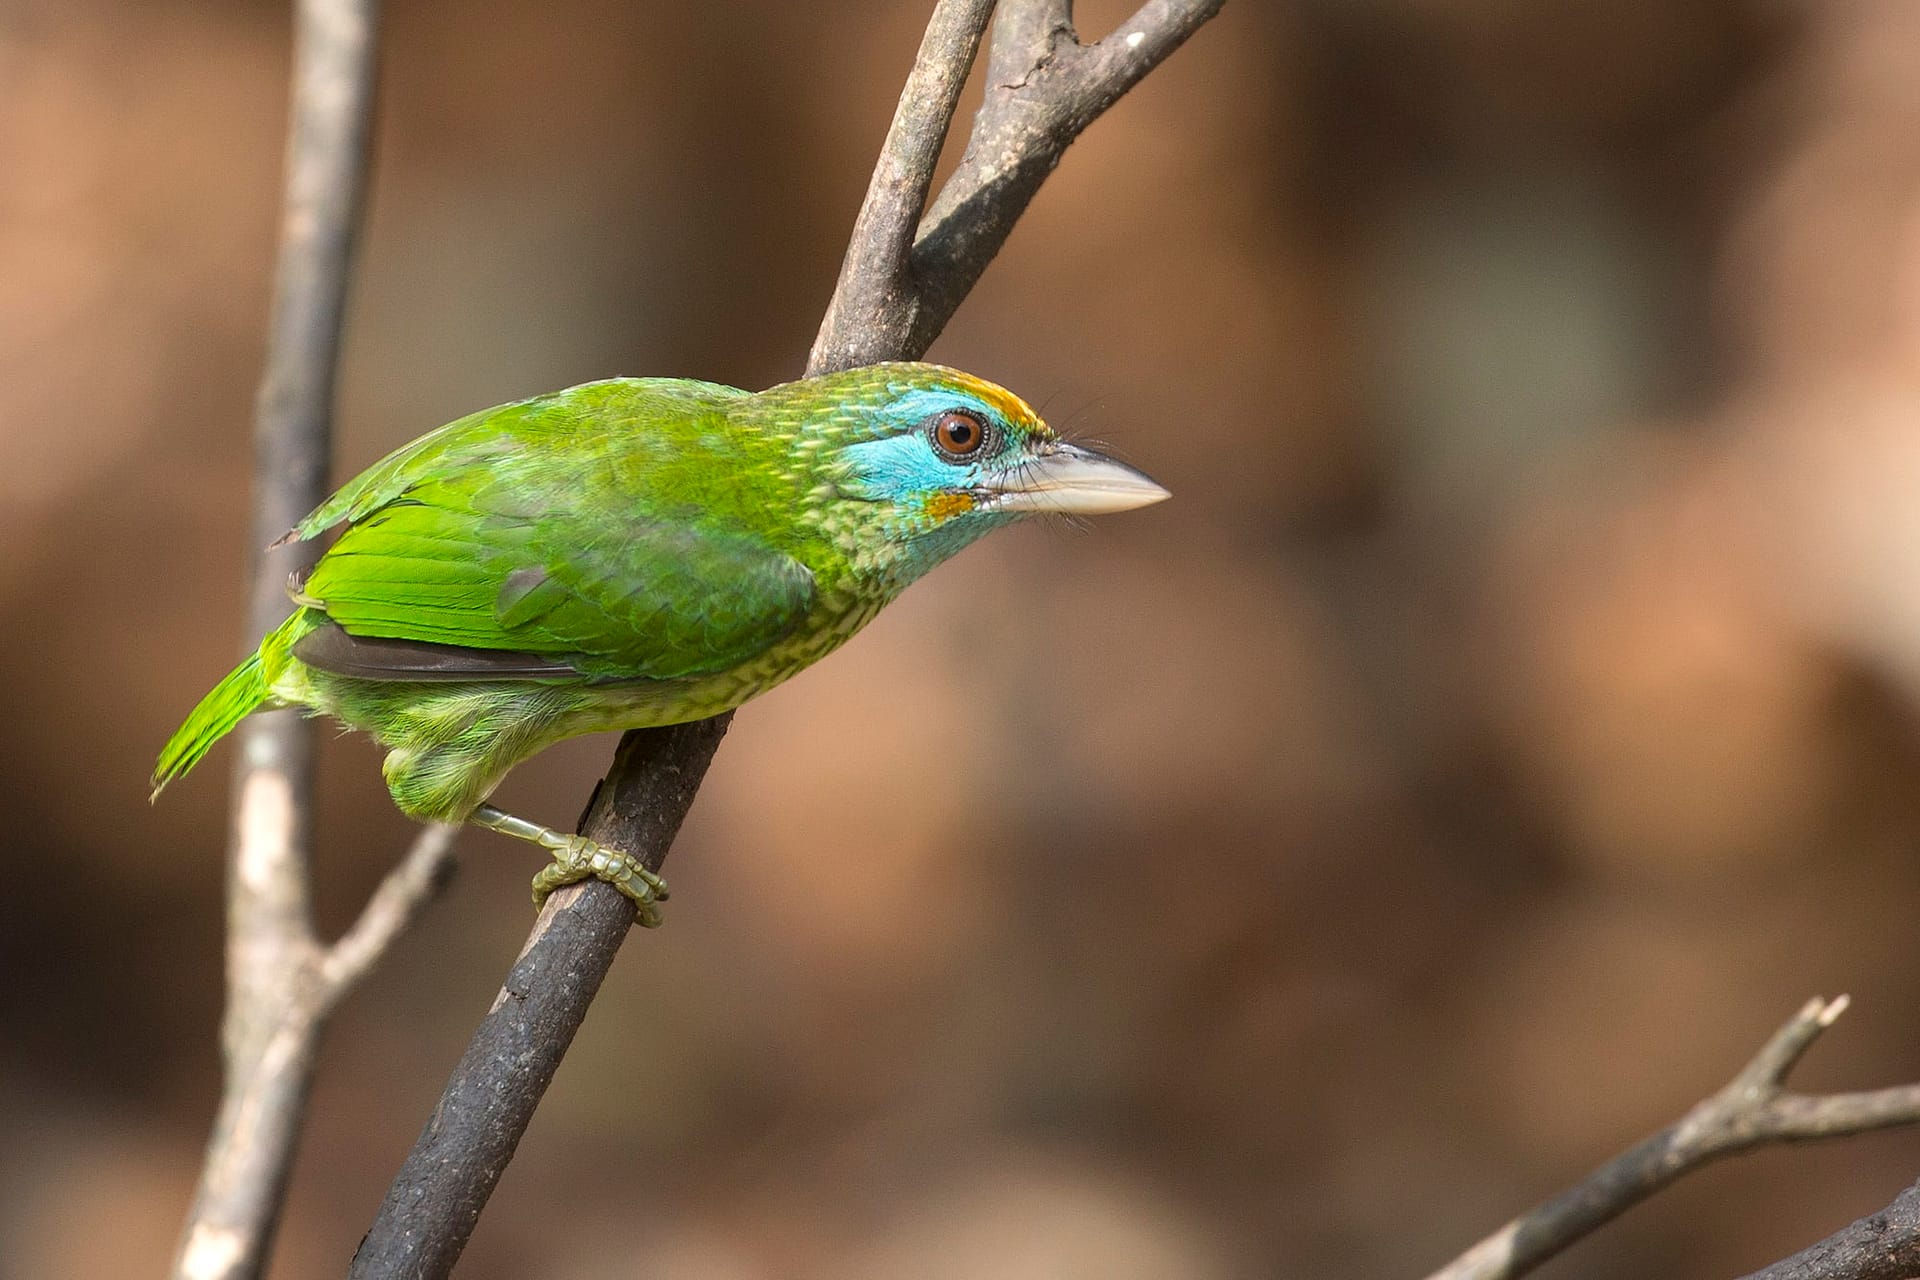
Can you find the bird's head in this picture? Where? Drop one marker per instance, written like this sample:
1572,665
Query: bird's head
952,455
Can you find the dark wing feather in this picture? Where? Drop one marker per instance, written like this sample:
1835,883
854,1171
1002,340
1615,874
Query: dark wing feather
331,648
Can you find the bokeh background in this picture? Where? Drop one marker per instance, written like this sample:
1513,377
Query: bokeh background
1510,722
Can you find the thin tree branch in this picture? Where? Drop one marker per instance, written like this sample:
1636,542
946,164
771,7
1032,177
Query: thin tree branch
1754,1109
430,1211
1880,1246
873,302
282,983
270,944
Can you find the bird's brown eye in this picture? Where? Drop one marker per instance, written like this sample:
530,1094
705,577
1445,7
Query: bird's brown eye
958,435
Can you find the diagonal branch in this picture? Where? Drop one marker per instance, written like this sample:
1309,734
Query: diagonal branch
1754,1109
883,308
436,1198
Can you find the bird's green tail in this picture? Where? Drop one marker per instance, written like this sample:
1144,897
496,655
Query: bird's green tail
245,688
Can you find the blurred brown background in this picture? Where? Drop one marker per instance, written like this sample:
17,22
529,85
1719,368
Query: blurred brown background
1511,721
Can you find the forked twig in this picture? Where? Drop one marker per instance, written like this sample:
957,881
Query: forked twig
1754,1109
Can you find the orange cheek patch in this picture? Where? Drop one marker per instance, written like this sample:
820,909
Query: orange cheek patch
944,506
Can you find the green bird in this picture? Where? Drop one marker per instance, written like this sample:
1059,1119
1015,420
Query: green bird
628,553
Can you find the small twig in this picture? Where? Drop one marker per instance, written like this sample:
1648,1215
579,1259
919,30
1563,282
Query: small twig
1880,1246
430,1211
412,883
1754,1109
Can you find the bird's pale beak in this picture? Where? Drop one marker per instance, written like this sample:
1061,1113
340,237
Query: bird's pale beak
1068,479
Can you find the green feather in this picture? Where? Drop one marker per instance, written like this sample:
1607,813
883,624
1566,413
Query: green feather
243,691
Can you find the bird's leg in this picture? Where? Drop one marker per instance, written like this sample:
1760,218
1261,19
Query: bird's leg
577,858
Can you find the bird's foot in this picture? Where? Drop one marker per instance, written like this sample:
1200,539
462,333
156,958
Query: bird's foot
576,858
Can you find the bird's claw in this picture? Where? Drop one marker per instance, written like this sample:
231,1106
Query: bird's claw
576,858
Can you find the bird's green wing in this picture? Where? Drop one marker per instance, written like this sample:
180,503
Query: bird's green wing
566,423
534,541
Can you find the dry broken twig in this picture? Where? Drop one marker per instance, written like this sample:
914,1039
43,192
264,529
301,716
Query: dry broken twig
895,293
1754,1109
